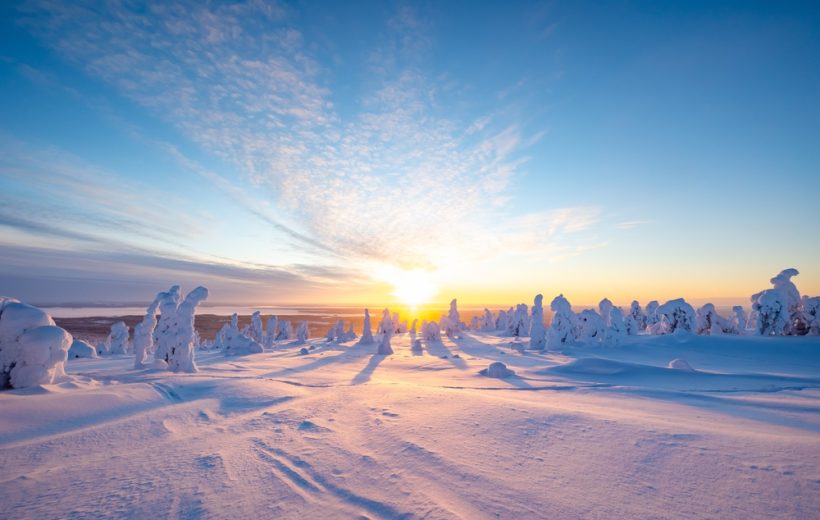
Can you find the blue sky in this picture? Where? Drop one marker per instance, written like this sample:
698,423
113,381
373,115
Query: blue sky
293,152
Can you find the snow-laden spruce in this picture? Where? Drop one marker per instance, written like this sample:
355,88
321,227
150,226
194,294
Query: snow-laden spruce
270,332
778,311
605,309
181,356
452,325
386,334
709,322
811,312
677,315
367,331
256,331
431,331
488,323
303,332
164,332
562,328
519,326
591,326
33,350
538,334
234,342
144,333
617,326
118,338
738,319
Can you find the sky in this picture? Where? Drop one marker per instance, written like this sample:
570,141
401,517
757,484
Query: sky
328,152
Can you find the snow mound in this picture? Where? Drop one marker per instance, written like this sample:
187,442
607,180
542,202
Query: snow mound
82,349
497,369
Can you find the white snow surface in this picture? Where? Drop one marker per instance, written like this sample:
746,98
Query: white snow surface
582,431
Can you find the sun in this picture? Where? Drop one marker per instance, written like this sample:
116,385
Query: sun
413,288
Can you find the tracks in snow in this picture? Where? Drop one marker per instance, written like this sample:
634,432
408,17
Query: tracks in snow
314,487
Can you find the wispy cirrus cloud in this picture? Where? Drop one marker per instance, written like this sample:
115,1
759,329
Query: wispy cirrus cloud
395,181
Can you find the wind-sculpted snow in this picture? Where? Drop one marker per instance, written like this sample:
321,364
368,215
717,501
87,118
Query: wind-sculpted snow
725,426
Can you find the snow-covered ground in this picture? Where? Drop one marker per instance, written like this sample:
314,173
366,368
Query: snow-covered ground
588,432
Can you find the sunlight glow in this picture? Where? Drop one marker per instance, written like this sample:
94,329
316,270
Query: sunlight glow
413,288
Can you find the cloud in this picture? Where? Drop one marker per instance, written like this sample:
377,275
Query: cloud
401,179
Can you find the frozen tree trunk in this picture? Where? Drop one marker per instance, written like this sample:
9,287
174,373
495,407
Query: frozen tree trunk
538,334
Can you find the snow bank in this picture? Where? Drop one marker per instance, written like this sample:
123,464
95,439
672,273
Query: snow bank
33,350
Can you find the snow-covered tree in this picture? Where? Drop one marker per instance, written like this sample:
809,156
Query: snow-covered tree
502,322
452,327
256,332
604,310
367,333
163,335
181,355
562,328
811,312
270,332
783,306
738,319
303,332
520,323
538,334
350,335
590,326
637,315
617,326
144,334
488,323
386,334
679,315
33,350
709,322
772,312
118,338
285,331
431,331
652,313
